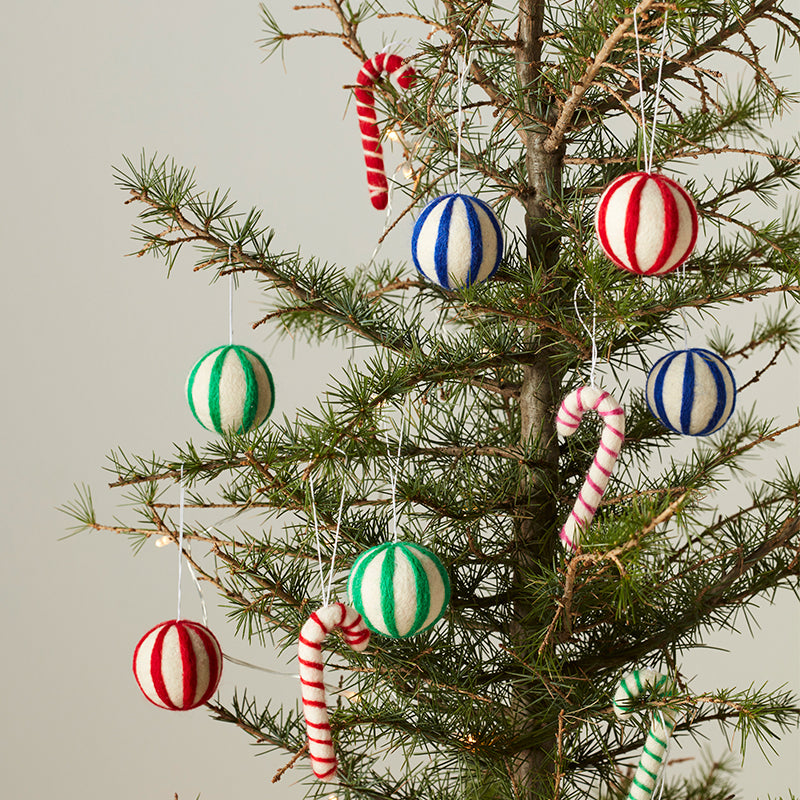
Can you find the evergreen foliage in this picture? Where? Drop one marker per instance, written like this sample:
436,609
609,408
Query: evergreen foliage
509,696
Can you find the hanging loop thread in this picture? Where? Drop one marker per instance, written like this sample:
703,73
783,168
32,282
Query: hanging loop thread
591,333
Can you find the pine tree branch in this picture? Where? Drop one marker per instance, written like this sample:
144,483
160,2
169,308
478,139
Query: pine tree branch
711,598
757,11
556,139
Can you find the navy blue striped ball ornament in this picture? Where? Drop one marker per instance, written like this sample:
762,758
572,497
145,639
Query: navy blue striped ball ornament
399,588
230,390
691,391
457,241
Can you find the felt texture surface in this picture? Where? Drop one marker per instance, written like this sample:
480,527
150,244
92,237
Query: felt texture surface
568,419
457,241
178,664
230,390
399,588
630,688
309,656
692,391
646,223
369,73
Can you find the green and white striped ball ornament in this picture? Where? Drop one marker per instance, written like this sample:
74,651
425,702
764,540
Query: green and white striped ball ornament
399,588
230,390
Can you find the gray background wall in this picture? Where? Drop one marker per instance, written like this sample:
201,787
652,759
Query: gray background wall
97,347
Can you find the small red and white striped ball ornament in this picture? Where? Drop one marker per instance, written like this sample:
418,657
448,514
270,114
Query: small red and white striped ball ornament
178,665
230,389
457,241
646,223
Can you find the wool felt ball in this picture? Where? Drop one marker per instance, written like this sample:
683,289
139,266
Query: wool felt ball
178,665
691,391
646,223
399,588
230,390
457,241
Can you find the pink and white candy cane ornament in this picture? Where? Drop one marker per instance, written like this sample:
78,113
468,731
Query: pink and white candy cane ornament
405,76
569,417
309,654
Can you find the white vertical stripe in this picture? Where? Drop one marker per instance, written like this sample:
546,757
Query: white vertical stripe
200,390
652,224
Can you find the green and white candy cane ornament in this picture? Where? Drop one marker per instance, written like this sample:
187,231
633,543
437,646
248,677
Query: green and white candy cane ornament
400,589
230,389
630,688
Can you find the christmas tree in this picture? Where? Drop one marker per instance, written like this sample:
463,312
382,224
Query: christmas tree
442,429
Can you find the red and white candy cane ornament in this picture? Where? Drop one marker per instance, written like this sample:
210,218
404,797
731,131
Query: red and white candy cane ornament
367,121
569,417
309,654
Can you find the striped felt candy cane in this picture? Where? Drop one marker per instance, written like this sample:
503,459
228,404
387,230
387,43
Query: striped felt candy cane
367,121
569,418
655,747
309,652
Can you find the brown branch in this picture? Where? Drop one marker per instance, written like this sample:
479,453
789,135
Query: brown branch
759,373
295,758
556,137
351,41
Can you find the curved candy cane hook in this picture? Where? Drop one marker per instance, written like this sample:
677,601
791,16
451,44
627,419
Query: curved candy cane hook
569,418
309,654
655,747
367,121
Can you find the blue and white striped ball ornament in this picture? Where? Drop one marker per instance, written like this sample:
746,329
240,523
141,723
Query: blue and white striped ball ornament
399,588
457,241
691,391
230,390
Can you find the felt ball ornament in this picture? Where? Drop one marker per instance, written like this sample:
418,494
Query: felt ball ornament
399,588
457,241
230,390
178,665
691,391
646,223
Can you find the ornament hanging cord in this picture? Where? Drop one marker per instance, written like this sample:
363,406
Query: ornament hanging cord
591,333
181,506
325,589
394,463
230,298
648,156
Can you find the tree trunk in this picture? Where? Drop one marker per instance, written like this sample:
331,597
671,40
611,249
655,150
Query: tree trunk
536,540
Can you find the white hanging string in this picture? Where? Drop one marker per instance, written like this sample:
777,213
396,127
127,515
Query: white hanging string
326,586
658,89
649,151
394,463
180,542
197,585
336,539
188,546
317,540
464,63
387,219
296,676
591,333
682,273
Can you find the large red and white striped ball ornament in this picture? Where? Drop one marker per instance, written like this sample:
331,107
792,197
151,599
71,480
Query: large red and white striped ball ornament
178,665
646,223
